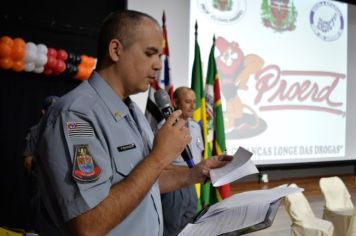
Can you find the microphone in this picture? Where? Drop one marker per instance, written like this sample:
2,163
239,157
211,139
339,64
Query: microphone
164,104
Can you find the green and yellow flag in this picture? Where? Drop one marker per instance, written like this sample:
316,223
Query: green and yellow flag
215,144
219,145
199,113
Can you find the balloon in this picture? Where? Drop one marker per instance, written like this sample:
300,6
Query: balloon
51,62
41,59
19,42
84,60
7,40
63,55
71,57
39,69
52,52
18,66
30,46
77,60
74,71
6,63
42,48
69,68
87,72
74,59
18,52
83,72
47,71
30,66
91,62
60,66
30,56
5,50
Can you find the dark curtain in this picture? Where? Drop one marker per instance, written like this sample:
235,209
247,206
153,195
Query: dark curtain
71,25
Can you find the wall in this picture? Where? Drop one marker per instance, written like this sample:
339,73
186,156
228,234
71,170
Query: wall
177,21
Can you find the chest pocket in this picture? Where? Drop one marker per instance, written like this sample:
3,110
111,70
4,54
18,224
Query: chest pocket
127,158
128,151
199,143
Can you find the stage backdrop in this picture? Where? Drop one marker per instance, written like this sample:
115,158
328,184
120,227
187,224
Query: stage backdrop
285,70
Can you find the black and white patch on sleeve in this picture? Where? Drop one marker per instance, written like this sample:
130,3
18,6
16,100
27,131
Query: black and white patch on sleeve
79,129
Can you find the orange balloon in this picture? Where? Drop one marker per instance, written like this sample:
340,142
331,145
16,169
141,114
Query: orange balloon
20,42
83,73
6,63
91,62
7,40
87,72
5,50
84,60
18,66
18,53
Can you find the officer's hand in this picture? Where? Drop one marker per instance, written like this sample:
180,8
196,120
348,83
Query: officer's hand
171,139
28,163
200,174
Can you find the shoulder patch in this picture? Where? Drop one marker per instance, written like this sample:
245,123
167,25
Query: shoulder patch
79,129
84,167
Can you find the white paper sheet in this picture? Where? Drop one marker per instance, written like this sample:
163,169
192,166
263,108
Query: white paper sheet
237,212
240,166
229,220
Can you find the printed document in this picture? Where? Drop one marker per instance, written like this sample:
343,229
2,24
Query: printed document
240,166
237,212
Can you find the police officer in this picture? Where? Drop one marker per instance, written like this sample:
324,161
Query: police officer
31,142
31,137
180,206
102,170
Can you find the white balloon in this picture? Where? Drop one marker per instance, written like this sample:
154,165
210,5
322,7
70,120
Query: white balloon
39,69
30,56
42,48
29,67
30,46
41,59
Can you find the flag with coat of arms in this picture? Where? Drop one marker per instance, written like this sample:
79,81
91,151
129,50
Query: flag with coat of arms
215,128
163,81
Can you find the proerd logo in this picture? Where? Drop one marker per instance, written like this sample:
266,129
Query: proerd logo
273,89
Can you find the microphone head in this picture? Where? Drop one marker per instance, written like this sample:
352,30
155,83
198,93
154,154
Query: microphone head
162,99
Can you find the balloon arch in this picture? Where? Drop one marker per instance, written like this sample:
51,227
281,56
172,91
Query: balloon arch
17,55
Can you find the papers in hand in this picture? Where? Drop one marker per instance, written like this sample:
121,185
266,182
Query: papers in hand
240,166
237,212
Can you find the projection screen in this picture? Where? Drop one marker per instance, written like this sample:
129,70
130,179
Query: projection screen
283,73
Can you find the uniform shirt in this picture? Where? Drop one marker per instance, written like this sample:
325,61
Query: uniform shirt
180,206
90,142
196,145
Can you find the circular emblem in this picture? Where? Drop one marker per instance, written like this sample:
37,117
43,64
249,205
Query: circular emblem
223,11
327,21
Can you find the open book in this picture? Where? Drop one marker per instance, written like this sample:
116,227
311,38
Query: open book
240,166
239,214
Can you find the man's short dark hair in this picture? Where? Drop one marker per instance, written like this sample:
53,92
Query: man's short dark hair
120,25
